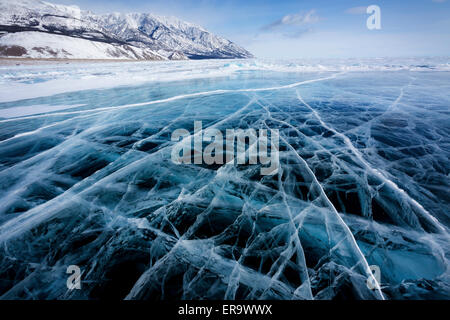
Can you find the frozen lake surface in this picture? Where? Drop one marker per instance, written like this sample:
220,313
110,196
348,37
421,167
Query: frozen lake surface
86,179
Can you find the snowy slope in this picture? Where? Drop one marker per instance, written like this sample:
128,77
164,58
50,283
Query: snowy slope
35,44
123,36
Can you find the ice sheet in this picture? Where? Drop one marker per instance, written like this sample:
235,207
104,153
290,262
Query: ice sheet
364,180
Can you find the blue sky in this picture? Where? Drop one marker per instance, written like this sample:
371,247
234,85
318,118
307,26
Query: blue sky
307,28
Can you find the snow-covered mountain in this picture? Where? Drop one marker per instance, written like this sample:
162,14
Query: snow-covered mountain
38,29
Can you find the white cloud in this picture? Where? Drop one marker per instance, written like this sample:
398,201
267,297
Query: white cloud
296,19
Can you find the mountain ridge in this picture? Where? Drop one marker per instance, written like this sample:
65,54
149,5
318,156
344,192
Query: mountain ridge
39,29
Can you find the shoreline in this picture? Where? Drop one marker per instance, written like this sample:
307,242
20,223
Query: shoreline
46,61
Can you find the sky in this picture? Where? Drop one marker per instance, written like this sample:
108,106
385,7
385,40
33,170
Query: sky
307,28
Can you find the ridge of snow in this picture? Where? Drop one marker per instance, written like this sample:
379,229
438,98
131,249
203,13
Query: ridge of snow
168,36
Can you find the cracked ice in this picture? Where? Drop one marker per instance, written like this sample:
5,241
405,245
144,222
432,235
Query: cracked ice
86,179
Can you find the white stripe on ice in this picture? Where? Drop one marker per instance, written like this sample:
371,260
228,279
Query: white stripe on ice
32,110
376,172
175,98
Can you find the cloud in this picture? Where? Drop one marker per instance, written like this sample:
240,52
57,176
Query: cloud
293,25
296,19
356,10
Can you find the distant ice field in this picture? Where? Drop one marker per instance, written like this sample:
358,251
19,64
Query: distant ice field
86,179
